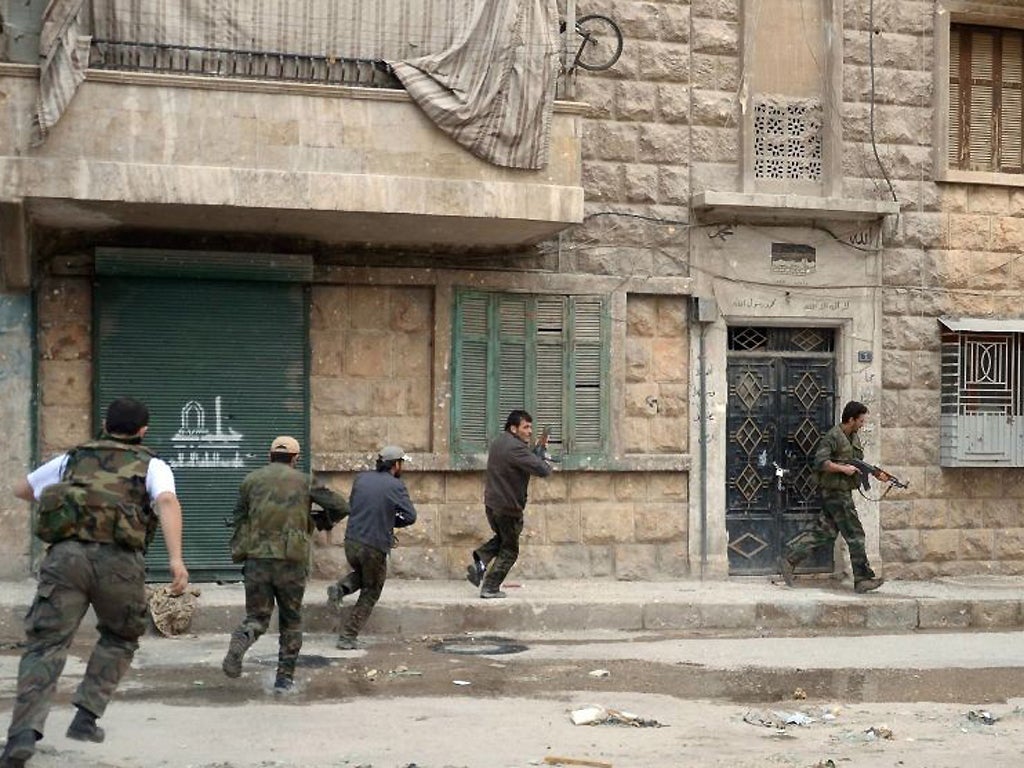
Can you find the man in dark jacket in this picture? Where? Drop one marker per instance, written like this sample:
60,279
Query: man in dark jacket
510,463
380,503
273,536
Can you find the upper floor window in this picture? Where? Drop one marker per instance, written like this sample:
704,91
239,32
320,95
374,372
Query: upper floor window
986,99
545,353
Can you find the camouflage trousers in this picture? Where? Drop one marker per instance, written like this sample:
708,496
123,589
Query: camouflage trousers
268,582
73,576
502,550
838,516
369,572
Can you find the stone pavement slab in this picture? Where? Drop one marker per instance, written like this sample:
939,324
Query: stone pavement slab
412,608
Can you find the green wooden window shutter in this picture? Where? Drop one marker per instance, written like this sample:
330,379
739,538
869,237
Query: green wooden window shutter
472,339
547,354
512,352
549,404
587,368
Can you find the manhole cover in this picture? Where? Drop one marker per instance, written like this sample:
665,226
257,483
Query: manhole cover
311,661
478,645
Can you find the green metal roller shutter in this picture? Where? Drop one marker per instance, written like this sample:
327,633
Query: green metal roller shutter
222,365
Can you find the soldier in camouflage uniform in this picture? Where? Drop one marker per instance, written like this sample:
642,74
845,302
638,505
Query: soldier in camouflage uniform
274,523
96,511
837,479
380,503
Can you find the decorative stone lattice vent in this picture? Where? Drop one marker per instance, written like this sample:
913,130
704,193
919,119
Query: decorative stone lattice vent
787,138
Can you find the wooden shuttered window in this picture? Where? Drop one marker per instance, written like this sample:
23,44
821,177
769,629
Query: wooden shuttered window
986,99
547,354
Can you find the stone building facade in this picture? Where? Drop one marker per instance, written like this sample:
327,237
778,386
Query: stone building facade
758,191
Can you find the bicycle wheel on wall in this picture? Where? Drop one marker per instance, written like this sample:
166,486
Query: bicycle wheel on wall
600,42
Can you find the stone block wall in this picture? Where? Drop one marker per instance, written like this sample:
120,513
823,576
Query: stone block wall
585,524
657,372
16,416
371,377
953,252
64,336
637,143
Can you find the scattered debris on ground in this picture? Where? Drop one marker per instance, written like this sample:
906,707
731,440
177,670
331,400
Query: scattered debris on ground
404,671
880,732
552,760
982,716
777,719
597,715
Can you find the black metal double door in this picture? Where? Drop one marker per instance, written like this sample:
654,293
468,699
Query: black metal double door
779,407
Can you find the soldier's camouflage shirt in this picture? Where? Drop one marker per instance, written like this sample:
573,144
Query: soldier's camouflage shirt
272,516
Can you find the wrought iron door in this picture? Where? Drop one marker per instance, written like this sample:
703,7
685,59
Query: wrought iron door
781,401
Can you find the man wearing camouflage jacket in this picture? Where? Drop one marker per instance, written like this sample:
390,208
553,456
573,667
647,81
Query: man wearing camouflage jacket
837,478
274,525
96,510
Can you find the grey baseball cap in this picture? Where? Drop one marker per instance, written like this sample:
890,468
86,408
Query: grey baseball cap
393,453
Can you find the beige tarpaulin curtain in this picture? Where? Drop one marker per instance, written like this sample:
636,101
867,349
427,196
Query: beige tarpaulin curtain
483,70
64,57
493,90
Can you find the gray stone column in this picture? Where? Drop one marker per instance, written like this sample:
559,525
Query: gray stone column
15,426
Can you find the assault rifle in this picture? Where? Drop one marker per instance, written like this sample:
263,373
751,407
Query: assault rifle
867,470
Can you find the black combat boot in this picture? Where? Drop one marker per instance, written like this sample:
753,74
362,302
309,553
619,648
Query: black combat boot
84,728
240,642
346,643
861,586
284,683
19,748
475,571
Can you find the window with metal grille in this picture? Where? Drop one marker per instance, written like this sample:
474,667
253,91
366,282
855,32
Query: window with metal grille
982,405
986,98
755,339
545,353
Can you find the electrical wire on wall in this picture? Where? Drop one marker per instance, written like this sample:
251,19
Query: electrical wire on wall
871,114
778,236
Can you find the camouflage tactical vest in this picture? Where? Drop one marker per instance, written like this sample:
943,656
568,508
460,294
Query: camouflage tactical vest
101,497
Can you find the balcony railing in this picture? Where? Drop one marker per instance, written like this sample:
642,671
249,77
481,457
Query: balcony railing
127,55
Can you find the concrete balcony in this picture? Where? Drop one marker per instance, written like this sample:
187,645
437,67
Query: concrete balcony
335,164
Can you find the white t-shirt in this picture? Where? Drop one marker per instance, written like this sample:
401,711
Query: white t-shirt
159,478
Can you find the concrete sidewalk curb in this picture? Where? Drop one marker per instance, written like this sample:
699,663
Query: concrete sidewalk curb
415,608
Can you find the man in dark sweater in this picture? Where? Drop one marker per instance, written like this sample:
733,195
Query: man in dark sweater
510,463
379,503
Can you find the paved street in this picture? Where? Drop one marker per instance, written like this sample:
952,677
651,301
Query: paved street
721,700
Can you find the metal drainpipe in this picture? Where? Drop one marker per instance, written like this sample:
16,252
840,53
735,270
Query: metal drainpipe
35,546
703,494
